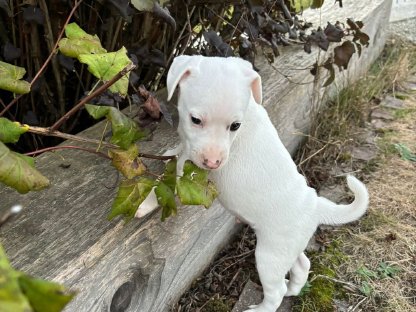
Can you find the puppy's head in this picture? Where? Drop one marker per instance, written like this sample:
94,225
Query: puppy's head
214,96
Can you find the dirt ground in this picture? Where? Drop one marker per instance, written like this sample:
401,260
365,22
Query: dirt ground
369,265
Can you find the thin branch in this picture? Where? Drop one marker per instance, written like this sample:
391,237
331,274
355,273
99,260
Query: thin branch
42,69
55,133
224,20
175,45
53,148
157,157
40,72
97,92
58,134
10,213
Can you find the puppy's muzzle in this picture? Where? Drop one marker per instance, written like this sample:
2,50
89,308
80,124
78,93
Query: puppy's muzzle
211,164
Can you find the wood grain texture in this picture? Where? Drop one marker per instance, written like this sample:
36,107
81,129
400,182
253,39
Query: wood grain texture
145,265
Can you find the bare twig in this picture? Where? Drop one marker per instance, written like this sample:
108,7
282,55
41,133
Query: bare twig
54,148
58,134
55,133
175,45
55,66
354,308
42,69
157,157
313,155
97,92
221,19
351,285
40,72
9,213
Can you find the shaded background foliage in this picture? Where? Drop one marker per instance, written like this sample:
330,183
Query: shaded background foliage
154,32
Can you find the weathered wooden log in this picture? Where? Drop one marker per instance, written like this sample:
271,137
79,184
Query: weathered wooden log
64,235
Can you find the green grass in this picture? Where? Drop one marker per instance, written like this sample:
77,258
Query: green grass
403,113
319,292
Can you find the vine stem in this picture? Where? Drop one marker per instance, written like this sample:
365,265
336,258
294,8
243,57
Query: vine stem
97,92
42,69
58,134
53,148
55,133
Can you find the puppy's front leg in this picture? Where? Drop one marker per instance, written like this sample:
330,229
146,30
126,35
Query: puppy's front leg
150,203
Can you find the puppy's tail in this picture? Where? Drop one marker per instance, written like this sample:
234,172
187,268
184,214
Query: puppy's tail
332,214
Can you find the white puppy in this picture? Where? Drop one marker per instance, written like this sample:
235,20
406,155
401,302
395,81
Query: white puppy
224,128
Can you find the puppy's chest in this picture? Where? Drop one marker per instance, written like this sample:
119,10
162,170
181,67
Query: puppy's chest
239,189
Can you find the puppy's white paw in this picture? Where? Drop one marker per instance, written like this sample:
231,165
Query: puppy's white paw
148,205
262,307
256,309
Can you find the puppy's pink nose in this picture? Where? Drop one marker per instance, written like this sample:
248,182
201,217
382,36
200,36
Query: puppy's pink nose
211,164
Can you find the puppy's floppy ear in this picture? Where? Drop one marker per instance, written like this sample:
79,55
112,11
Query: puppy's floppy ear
182,67
254,78
256,87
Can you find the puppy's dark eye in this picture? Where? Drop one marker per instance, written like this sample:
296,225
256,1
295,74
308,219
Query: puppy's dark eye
234,126
196,121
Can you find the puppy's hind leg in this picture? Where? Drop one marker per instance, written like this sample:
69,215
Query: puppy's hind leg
298,275
271,267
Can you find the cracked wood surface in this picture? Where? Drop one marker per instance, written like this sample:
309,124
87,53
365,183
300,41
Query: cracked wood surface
63,233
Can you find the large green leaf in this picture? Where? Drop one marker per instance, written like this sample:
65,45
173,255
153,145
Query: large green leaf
130,195
165,191
166,199
18,171
79,42
127,161
11,298
194,188
22,293
44,295
10,131
105,66
125,130
10,76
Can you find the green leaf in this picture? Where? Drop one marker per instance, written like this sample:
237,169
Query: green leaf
194,188
366,288
18,171
385,270
165,190
131,193
169,176
11,298
300,5
305,289
127,161
98,112
79,42
105,66
166,199
44,295
10,76
22,293
367,273
10,131
405,152
143,5
125,130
